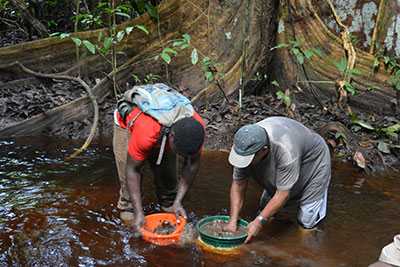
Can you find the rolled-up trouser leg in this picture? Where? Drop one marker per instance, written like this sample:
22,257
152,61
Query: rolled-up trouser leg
120,148
311,214
165,176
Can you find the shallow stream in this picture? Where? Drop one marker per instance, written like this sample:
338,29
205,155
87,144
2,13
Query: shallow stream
66,215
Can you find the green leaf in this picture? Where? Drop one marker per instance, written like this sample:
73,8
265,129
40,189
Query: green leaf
276,84
279,94
128,30
99,37
342,65
209,75
383,147
393,128
89,46
365,125
63,35
166,58
141,5
279,46
354,117
170,50
120,36
221,74
123,14
184,46
340,135
295,43
194,56
356,71
287,101
374,87
393,80
386,59
186,37
299,55
392,135
143,28
394,101
77,41
53,34
316,51
307,53
176,43
101,5
107,43
152,10
376,63
350,88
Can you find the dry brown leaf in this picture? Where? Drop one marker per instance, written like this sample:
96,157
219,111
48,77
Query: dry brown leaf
365,144
331,142
359,159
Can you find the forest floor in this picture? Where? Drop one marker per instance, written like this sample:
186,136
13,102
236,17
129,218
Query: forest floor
370,150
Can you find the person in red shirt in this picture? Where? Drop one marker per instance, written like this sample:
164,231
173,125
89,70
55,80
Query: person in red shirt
135,145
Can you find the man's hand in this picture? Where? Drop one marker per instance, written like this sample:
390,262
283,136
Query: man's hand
139,221
253,229
178,209
231,226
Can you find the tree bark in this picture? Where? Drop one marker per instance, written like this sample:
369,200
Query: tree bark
213,29
308,22
224,28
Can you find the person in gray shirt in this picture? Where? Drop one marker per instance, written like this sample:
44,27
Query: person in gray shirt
289,161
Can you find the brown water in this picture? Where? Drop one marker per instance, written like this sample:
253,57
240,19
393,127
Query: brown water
67,216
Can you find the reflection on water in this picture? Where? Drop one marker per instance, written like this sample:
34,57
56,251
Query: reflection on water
66,215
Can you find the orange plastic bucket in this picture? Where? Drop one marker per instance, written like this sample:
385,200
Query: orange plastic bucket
155,220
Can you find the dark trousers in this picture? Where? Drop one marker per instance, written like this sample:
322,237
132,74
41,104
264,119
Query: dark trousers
165,175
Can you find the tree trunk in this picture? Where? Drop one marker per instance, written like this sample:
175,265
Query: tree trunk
241,34
220,28
310,20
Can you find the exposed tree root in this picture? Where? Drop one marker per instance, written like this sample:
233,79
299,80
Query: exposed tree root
88,91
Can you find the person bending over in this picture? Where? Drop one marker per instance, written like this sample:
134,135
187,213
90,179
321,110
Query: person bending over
290,162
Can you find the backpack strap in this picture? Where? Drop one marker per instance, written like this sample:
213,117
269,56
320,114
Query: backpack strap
162,139
130,123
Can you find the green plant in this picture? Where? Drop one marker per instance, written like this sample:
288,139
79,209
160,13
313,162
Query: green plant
209,67
393,64
3,5
281,95
343,72
354,39
391,133
298,50
148,79
256,77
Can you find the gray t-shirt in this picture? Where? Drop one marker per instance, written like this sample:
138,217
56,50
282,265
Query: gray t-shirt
299,160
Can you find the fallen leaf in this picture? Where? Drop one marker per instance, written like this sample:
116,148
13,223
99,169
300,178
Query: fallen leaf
359,159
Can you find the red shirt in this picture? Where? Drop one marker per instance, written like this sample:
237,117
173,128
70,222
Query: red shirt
145,132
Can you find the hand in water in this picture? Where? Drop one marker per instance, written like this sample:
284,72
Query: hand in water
179,210
230,227
139,221
253,229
